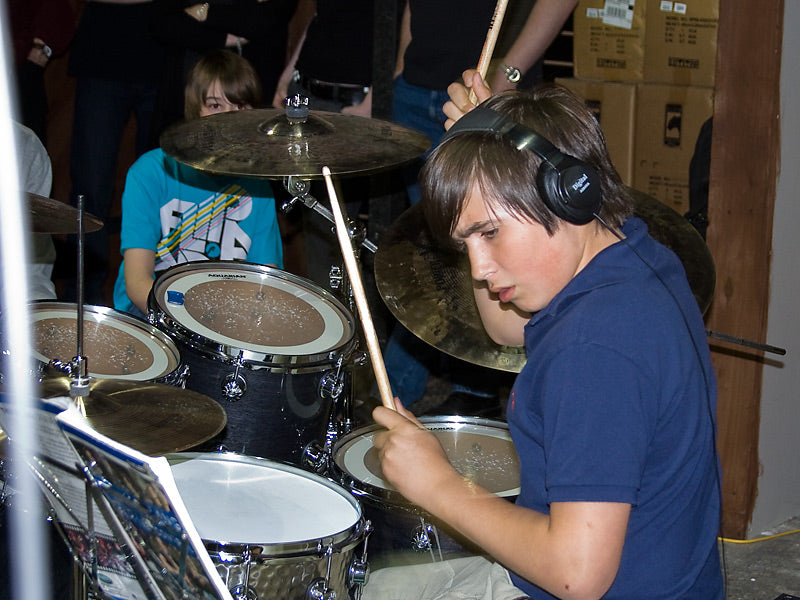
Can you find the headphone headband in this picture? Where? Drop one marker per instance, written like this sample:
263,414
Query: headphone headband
569,187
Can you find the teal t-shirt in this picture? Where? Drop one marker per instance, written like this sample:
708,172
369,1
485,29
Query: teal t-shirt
186,215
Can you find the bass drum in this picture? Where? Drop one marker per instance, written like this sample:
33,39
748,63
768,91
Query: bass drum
480,449
273,530
116,345
272,348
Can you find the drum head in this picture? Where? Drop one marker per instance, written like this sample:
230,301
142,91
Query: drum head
236,499
116,345
480,449
239,306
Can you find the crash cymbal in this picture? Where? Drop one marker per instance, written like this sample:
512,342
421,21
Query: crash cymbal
428,288
153,418
51,216
680,236
264,143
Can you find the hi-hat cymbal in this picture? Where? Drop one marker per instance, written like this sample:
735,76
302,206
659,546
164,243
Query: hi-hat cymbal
428,288
153,418
265,143
51,216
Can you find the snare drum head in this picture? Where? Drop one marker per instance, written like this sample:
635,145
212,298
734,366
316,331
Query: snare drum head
116,345
236,499
252,307
480,449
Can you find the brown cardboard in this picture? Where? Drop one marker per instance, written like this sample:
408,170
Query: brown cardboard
608,52
681,42
668,121
615,105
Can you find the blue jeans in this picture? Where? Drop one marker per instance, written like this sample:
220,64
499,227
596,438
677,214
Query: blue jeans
102,109
420,109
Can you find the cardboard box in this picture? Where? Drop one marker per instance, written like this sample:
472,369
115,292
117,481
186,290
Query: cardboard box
681,42
668,121
608,40
614,104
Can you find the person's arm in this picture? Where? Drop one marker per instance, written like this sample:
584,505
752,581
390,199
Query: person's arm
404,39
139,267
573,553
305,12
362,109
544,23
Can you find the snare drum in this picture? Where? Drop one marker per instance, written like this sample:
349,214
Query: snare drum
269,346
116,345
480,449
273,530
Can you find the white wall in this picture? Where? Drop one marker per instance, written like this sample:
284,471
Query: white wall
779,442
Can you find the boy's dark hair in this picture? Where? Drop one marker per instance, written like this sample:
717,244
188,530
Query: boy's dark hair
507,176
237,77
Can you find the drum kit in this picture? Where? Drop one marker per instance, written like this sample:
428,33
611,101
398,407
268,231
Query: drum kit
241,373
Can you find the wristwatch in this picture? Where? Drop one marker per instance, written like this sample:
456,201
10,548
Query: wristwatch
512,73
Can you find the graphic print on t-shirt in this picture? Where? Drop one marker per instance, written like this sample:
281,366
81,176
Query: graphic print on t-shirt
209,230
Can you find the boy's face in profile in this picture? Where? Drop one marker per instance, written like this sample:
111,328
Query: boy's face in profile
519,261
217,102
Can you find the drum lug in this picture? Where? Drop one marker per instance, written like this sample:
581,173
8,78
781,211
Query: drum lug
234,385
315,458
331,384
358,573
243,592
421,538
335,277
319,590
178,378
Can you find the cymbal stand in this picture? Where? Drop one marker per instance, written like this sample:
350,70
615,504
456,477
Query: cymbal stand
79,369
299,188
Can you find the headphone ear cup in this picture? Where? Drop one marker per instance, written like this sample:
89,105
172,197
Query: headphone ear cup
570,189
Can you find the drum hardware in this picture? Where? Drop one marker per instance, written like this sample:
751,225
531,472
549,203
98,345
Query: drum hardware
425,538
318,589
331,384
234,385
244,591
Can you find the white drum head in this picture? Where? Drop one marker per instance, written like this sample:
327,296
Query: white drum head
116,345
260,309
479,449
234,499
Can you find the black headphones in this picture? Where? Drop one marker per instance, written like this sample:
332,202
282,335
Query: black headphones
569,187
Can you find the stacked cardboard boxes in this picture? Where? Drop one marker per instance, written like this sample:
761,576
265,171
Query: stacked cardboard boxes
647,67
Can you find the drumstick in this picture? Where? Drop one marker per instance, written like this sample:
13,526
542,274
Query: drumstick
361,298
488,45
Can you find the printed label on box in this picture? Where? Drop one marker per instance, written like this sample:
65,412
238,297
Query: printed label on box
619,13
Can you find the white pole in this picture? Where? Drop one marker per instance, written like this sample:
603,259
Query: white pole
30,571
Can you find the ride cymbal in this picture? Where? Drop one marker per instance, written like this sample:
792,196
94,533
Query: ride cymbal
51,216
153,418
266,143
428,288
